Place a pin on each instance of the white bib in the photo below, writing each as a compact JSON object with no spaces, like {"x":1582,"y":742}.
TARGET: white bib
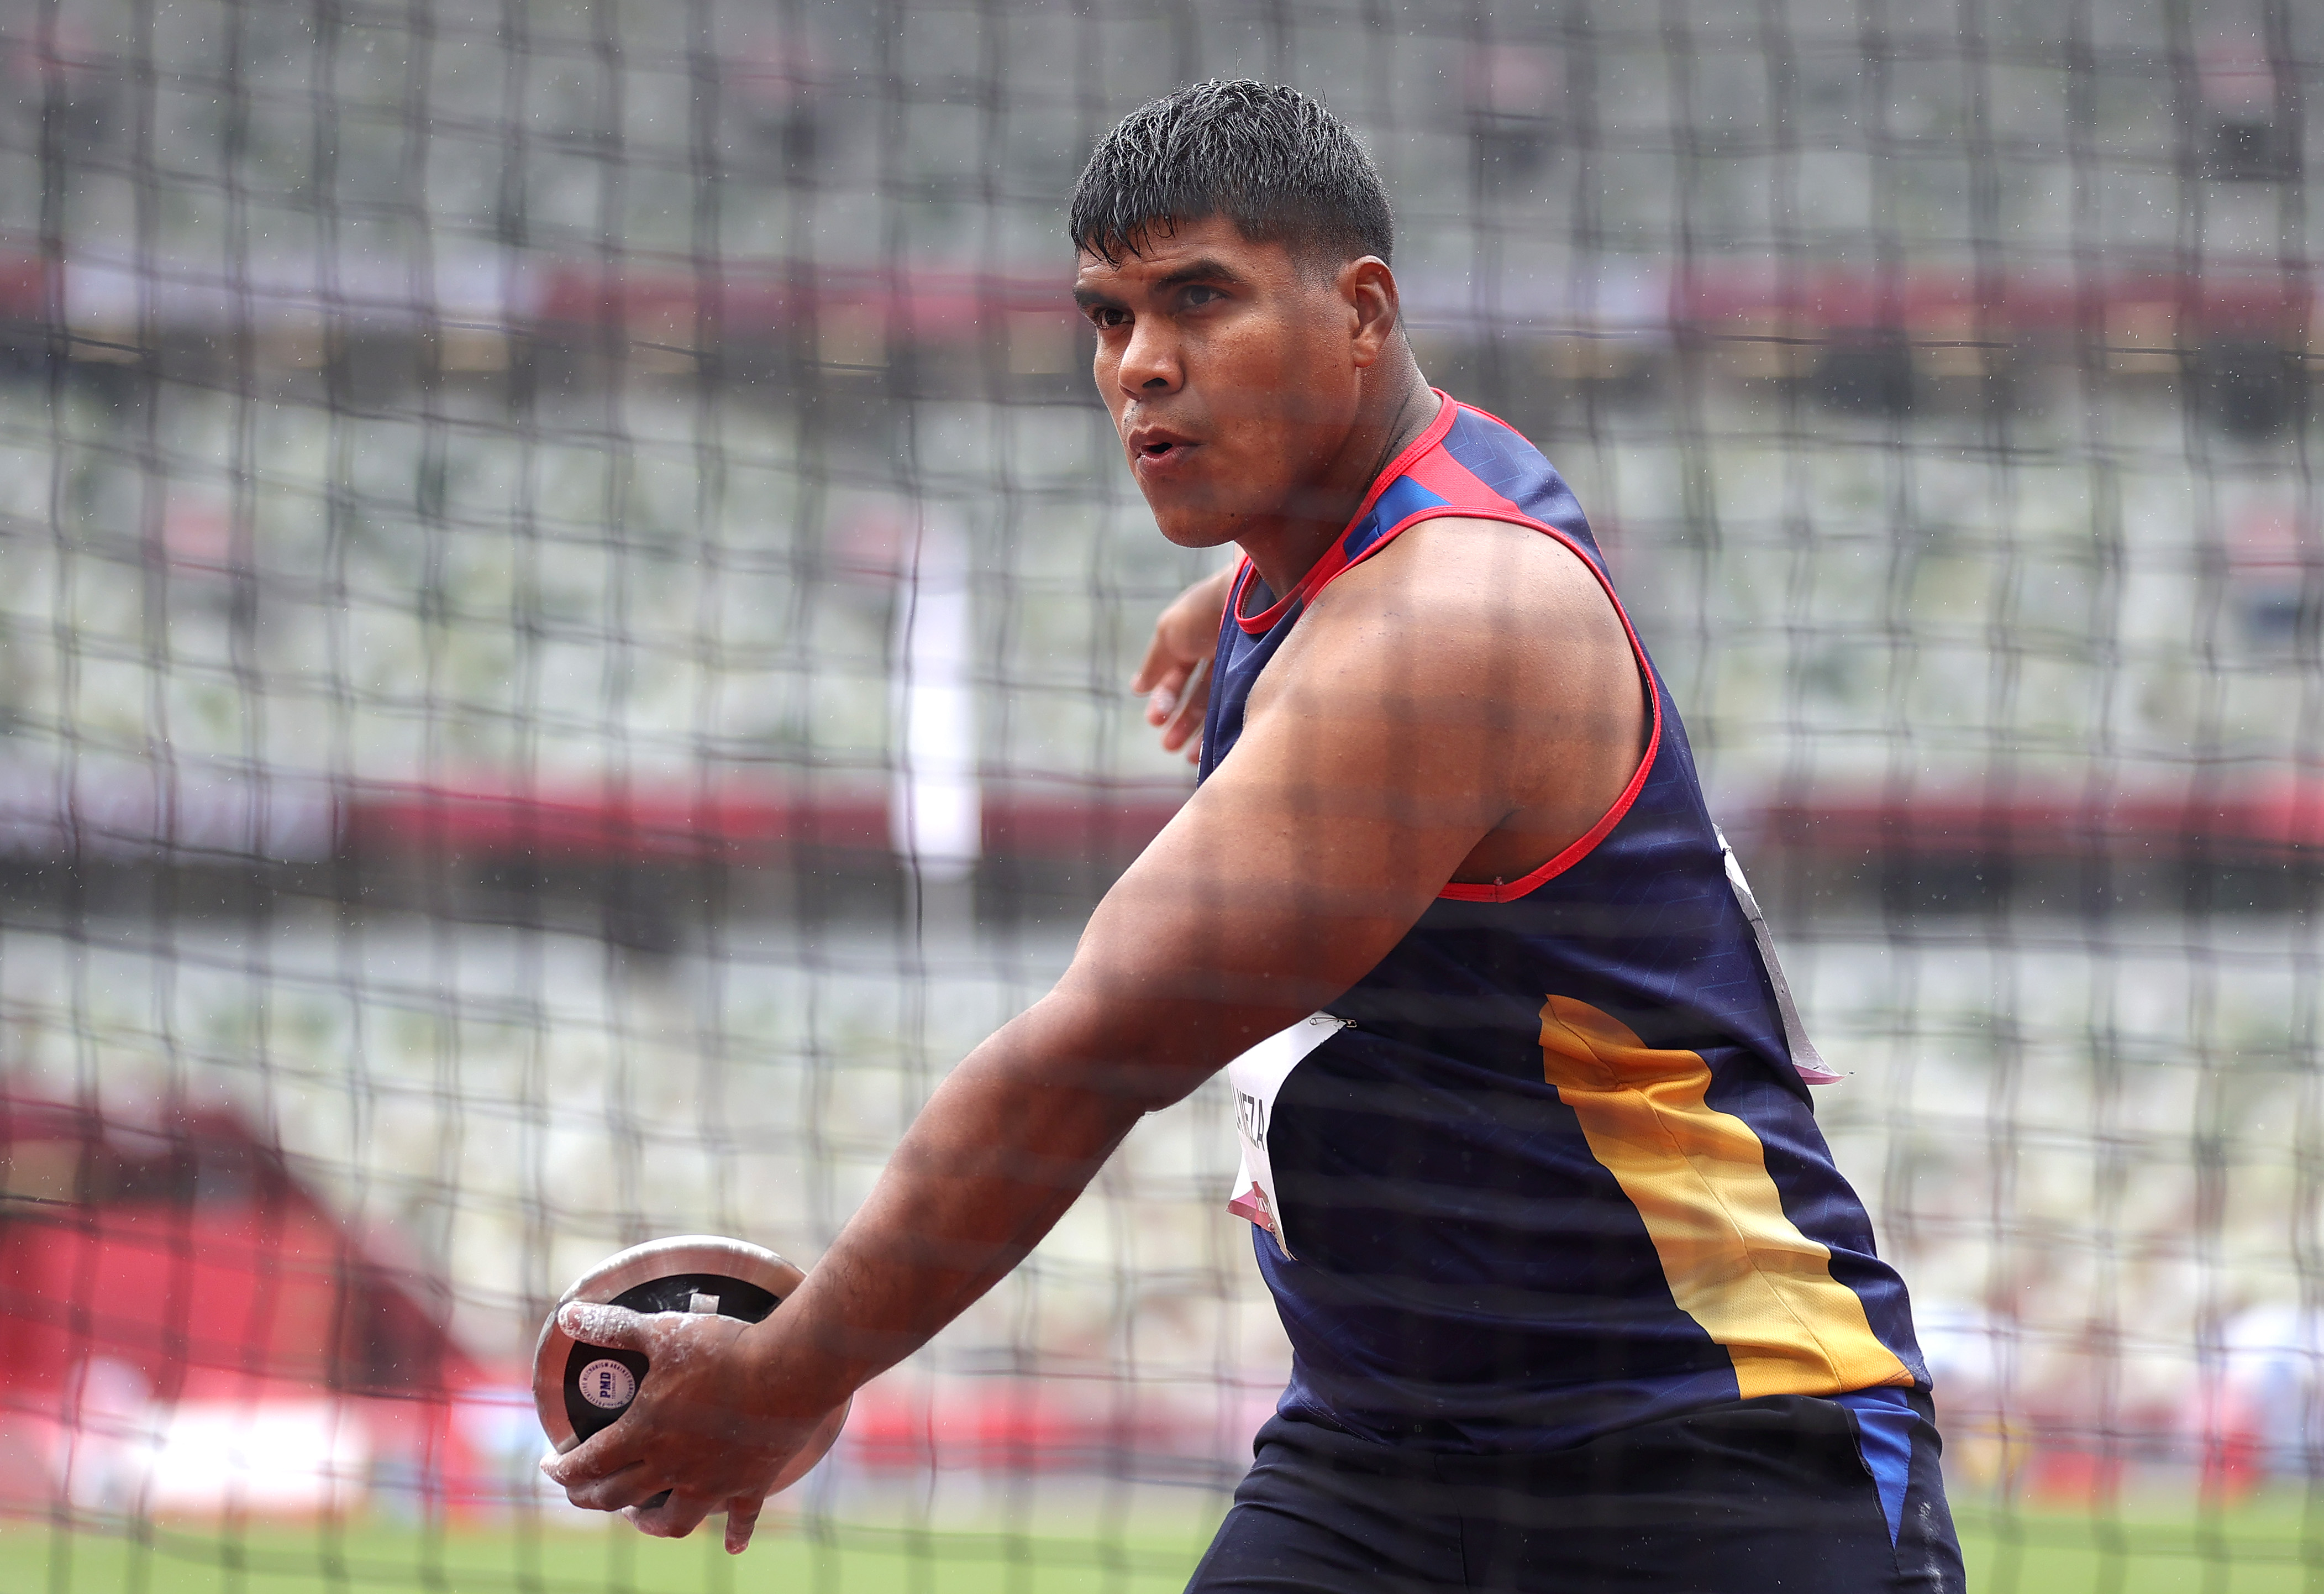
{"x":1257,"y":1077}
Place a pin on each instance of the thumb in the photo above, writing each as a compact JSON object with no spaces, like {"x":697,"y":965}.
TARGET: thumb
{"x":614,"y":1327}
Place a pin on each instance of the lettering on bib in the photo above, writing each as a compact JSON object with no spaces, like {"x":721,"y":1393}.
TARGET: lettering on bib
{"x":1257,"y":1077}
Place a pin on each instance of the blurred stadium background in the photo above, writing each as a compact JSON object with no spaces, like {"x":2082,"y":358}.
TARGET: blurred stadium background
{"x":565,"y":607}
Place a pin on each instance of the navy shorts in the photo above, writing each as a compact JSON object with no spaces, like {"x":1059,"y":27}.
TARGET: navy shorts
{"x":1782,"y":1493}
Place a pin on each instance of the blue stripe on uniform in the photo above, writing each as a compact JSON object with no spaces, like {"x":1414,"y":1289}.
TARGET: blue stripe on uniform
{"x":1402,"y":499}
{"x":1884,"y":1438}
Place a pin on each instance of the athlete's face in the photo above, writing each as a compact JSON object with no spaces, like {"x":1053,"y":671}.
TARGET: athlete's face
{"x":1232,"y":371}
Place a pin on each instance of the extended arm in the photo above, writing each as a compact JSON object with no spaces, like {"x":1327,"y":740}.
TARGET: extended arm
{"x":1369,"y":768}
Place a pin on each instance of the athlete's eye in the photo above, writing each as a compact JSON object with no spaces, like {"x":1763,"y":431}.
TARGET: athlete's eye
{"x":1106,"y":316}
{"x":1198,"y":295}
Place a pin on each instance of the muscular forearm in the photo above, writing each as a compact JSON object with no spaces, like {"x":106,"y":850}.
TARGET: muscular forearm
{"x":1000,"y":1152}
{"x":1248,"y":911}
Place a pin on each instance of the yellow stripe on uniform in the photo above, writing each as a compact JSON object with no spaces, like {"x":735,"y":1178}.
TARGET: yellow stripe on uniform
{"x":1699,"y":1178}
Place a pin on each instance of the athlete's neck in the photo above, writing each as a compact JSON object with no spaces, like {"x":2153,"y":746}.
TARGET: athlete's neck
{"x":1285,"y":547}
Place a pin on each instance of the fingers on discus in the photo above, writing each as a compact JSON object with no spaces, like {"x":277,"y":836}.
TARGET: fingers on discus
{"x":615,"y":1326}
{"x":603,"y":1458}
{"x":741,"y":1518}
{"x":584,"y":1464}
{"x":615,"y":1491}
{"x":673,"y":1518}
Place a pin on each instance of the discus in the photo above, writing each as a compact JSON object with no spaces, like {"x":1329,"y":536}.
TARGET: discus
{"x":580,"y":1390}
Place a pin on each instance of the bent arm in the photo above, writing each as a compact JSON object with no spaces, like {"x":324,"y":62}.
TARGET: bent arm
{"x":1367,"y":771}
{"x":1267,"y":896}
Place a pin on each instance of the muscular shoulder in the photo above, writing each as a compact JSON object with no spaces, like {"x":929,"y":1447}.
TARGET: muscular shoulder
{"x":1454,"y":597}
{"x":1490,"y":644}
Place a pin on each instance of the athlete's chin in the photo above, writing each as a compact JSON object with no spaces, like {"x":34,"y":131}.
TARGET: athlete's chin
{"x":1201,"y":528}
{"x":1190,"y":517}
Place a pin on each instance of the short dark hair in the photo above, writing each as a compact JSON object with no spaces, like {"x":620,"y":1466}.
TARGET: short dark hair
{"x":1271,"y":160}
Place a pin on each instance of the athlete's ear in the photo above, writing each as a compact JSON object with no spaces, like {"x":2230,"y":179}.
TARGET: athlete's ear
{"x":1369,"y":288}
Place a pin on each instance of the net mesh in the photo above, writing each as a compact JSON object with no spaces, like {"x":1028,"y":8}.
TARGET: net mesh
{"x":565,"y":606}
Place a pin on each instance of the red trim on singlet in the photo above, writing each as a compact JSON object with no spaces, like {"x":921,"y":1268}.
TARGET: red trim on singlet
{"x":1335,"y":561}
{"x":1445,"y":476}
{"x":1505,"y":891}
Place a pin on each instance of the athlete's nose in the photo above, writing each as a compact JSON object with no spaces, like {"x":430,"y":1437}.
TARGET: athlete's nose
{"x":1149,"y":364}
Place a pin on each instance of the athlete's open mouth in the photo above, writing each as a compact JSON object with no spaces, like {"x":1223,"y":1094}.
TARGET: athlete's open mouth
{"x":1157,"y":446}
{"x":1156,"y":442}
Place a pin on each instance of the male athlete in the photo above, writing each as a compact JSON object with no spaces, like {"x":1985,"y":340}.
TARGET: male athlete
{"x":1576,"y":1297}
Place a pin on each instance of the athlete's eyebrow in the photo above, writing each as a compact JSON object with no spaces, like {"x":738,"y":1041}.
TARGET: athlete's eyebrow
{"x":1206,"y":270}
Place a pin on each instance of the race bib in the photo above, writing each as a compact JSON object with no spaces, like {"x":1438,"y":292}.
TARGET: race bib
{"x":1257,"y":1077}
{"x":1804,"y":1055}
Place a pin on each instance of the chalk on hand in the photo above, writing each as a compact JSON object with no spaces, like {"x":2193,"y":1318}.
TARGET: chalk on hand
{"x":581,"y":1389}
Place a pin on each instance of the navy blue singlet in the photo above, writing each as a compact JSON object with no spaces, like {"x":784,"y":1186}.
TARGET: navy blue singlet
{"x":1559,"y":1174}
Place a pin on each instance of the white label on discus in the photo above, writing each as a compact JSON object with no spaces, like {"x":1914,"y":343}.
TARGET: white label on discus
{"x":1257,"y":1077}
{"x":607,"y":1385}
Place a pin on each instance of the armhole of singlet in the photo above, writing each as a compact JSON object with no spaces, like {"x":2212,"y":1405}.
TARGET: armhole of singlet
{"x":1504,"y":891}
